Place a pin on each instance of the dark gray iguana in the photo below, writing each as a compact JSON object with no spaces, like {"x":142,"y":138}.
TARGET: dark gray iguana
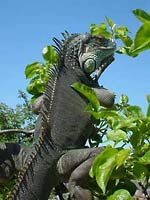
{"x":63,"y":127}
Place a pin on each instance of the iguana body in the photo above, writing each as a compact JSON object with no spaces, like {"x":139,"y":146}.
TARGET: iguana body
{"x":62,"y":125}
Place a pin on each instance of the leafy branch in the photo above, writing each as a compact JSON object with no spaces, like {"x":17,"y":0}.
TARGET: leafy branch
{"x":131,"y":47}
{"x":127,"y":139}
{"x":37,"y":72}
{"x":27,"y":132}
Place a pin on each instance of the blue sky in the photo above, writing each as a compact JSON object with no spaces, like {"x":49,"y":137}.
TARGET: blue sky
{"x":27,"y":26}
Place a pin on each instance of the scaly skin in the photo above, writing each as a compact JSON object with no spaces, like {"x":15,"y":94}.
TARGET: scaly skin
{"x":12,"y":159}
{"x":40,"y":171}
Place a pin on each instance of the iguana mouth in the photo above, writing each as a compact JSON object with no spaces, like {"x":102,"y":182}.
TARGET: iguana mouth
{"x":104,"y":64}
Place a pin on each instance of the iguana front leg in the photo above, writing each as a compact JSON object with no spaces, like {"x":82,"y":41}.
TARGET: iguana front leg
{"x":73,"y":168}
{"x":77,"y":184}
{"x":12,"y":159}
{"x":105,"y":97}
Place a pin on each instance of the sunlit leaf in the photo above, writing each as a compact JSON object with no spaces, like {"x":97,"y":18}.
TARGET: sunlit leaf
{"x":128,"y":124}
{"x":100,"y":30}
{"x":148,"y":111}
{"x":120,"y":195}
{"x":124,"y":99}
{"x":142,"y":15}
{"x":32,"y":69}
{"x":116,"y":135}
{"x":121,"y":156}
{"x":89,"y":109}
{"x":121,"y":33}
{"x":36,"y":86}
{"x":148,"y":98}
{"x":148,"y":107}
{"x":142,"y":39}
{"x":145,"y":160}
{"x":110,"y":22}
{"x":133,"y":111}
{"x":103,"y":167}
{"x":106,"y":113}
{"x":127,"y":41}
{"x":50,"y":55}
{"x":88,"y":93}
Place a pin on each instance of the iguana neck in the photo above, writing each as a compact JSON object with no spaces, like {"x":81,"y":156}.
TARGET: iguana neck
{"x":63,"y":106}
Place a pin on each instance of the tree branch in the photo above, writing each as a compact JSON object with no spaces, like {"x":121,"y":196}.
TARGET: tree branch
{"x":27,"y":132}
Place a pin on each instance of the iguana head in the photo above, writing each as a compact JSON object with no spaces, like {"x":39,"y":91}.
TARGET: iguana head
{"x":92,"y":54}
{"x":95,"y":54}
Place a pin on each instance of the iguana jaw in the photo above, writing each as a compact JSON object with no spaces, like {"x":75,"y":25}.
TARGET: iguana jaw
{"x":104,"y":64}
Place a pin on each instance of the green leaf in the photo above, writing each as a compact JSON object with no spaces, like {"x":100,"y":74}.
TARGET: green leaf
{"x":107,"y":114}
{"x":148,"y":108}
{"x":114,"y":121}
{"x":124,"y":100}
{"x":127,"y":41}
{"x":102,"y":113}
{"x":121,"y":33}
{"x":121,"y":156}
{"x":110,"y":22}
{"x":36,"y":86}
{"x":50,"y":55}
{"x":103,"y":167}
{"x":126,"y":50}
{"x":135,"y":139}
{"x":133,"y":111}
{"x":111,"y":116}
{"x":100,"y":30}
{"x":120,"y":195}
{"x":88,"y":93}
{"x":145,"y":160}
{"x":32,"y":69}
{"x":128,"y":124}
{"x":140,"y":172}
{"x":142,"y":39}
{"x":116,"y":135}
{"x":89,"y":109}
{"x":142,"y":15}
{"x":148,"y":98}
{"x":148,"y":111}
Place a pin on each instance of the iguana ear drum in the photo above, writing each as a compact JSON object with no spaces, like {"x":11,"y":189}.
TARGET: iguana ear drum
{"x":89,"y":65}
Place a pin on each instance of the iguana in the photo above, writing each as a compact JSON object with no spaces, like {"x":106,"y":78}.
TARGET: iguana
{"x":63,"y":127}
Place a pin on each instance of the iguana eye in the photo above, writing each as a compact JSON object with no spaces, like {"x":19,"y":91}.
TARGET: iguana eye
{"x":89,"y":65}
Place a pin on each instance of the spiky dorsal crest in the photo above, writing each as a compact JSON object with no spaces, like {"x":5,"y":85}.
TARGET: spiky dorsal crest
{"x":54,"y":73}
{"x":59,"y":43}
